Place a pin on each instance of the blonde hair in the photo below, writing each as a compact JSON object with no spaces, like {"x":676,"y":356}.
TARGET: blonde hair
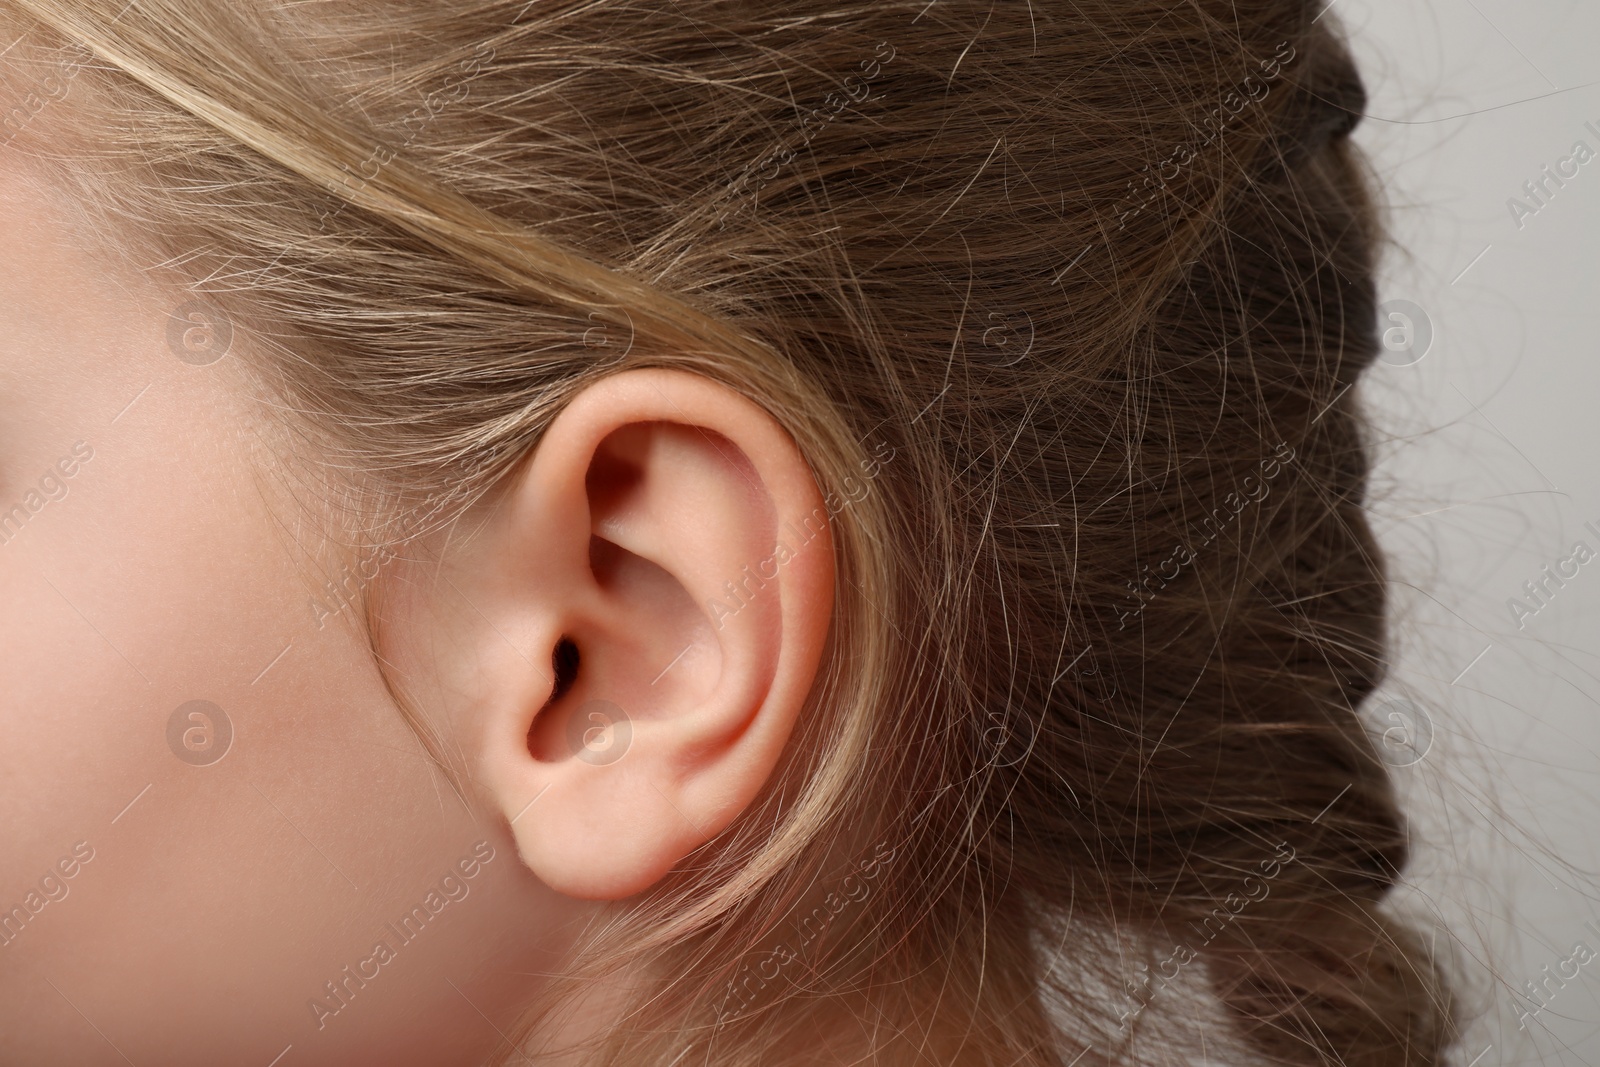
{"x":1059,"y":279}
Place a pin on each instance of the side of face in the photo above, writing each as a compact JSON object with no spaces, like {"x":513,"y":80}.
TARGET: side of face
{"x":214,"y":817}
{"x":223,"y":839}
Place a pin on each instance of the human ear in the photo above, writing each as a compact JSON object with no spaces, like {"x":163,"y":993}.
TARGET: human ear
{"x":650,"y":597}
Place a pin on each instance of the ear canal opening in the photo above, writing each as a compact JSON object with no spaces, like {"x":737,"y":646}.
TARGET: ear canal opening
{"x":564,"y":666}
{"x":564,"y":663}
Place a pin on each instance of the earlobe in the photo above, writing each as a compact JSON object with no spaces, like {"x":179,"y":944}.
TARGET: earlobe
{"x":617,"y":718}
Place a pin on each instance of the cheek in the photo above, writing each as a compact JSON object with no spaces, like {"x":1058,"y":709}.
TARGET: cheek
{"x":174,"y":578}
{"x":163,"y":579}
{"x":241,"y":837}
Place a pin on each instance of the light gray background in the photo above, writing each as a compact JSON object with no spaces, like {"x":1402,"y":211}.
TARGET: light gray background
{"x":1488,"y":467}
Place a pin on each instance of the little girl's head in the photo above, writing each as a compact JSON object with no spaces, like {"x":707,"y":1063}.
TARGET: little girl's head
{"x":695,"y":533}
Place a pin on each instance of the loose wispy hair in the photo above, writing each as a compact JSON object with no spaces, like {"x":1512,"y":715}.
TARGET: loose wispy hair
{"x":1082,"y":267}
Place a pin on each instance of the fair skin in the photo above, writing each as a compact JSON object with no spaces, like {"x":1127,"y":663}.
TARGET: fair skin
{"x":180,"y":566}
